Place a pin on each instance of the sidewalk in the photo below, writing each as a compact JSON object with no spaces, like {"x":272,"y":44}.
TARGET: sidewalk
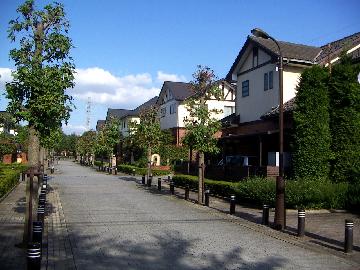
{"x":12,"y":218}
{"x":324,"y":229}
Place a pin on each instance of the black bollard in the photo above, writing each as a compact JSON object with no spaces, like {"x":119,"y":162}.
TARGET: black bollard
{"x":187,"y":190}
{"x":42,"y":199}
{"x":115,"y":170}
{"x":33,"y":256}
{"x":207,"y":197}
{"x":169,"y":178}
{"x":41,"y":213}
{"x":232,"y":205}
{"x":265,"y":215}
{"x":23,"y":177}
{"x":172,"y":188}
{"x":52,"y":170}
{"x":301,"y":223}
{"x":37,"y":232}
{"x":159,"y":184}
{"x":143,"y":179}
{"x":149,"y":181}
{"x":349,"y":225}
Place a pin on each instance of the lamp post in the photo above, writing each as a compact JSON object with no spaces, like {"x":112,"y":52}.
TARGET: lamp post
{"x":280,"y":216}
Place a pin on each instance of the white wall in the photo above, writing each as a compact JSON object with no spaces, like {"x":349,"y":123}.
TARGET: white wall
{"x":127,"y":120}
{"x":169,"y":120}
{"x":258,"y":102}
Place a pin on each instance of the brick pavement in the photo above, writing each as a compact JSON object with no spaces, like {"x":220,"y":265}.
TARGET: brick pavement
{"x":71,"y":236}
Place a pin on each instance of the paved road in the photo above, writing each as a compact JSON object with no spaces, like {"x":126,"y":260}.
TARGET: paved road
{"x":113,"y":223}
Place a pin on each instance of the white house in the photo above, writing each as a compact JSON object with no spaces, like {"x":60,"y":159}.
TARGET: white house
{"x":253,"y":129}
{"x":173,"y":111}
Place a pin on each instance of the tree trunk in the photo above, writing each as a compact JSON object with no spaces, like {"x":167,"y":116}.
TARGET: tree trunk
{"x":149,"y":161}
{"x":201,"y":178}
{"x":34,"y":147}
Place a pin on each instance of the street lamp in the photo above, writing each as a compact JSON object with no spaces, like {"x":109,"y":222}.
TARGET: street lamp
{"x":280,"y":216}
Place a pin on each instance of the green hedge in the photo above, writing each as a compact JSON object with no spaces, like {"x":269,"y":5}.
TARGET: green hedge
{"x":299,"y":194}
{"x":140,"y":171}
{"x":9,"y":176}
{"x":98,"y":163}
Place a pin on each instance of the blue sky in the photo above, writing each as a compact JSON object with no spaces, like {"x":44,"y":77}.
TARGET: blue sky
{"x":125,"y":49}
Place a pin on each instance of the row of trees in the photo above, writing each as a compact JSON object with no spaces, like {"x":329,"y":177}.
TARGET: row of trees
{"x":327,"y":123}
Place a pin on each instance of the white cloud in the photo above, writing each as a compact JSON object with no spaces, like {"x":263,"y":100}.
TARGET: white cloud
{"x":162,"y":76}
{"x":77,"y":129}
{"x":5,"y":76}
{"x":105,"y":88}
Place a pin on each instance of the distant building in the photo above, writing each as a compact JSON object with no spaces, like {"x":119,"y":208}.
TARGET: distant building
{"x":99,"y":125}
{"x":172,"y":109}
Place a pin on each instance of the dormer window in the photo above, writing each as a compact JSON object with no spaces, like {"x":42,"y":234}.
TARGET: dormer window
{"x":255,"y":57}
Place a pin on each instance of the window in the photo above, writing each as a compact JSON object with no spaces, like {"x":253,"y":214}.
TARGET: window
{"x":255,"y":57}
{"x":268,"y":80}
{"x":228,"y":110}
{"x":271,"y":76}
{"x":172,"y":108}
{"x":163,"y":112}
{"x":245,"y":88}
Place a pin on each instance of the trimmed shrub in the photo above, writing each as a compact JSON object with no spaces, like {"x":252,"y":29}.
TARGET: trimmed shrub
{"x":140,"y":171}
{"x":299,"y":194}
{"x":9,"y":176}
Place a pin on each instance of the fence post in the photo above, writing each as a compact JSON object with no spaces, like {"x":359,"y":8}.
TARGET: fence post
{"x":143,"y":179}
{"x":33,"y":256}
{"x":159,"y":183}
{"x":172,"y":188}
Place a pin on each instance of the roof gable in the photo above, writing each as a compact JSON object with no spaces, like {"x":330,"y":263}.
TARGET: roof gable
{"x":179,"y":91}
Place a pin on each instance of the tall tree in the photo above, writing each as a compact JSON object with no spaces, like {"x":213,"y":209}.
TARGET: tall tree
{"x":311,"y":123}
{"x":44,"y":70}
{"x":85,"y":144}
{"x":148,"y":133}
{"x":107,"y":138}
{"x":201,"y":126}
{"x":344,"y":91}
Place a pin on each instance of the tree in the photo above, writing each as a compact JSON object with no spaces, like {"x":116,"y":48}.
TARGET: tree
{"x":201,"y":126}
{"x":311,"y":126}
{"x":44,"y":70}
{"x":85,"y":143}
{"x":344,"y":92}
{"x":148,"y":133}
{"x":107,"y":138}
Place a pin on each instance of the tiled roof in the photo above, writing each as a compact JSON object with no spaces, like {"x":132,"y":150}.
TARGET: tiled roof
{"x":289,"y":106}
{"x":229,"y":120}
{"x":180,"y":90}
{"x":117,"y":113}
{"x":288,"y":50}
{"x":334,"y":49}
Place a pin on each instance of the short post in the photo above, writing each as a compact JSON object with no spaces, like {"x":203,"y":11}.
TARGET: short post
{"x":301,"y":223}
{"x":349,"y":225}
{"x":133,"y":171}
{"x":143,"y":179}
{"x":187,"y":190}
{"x":232,"y":205}
{"x":52,"y":169}
{"x":169,"y":178}
{"x":23,"y":177}
{"x":172,"y":188}
{"x":115,"y":170}
{"x":37,"y":232}
{"x":34,"y":256}
{"x":265,"y":215}
{"x":41,"y":213}
{"x":149,"y":180}
{"x":159,"y":184}
{"x":207,"y":197}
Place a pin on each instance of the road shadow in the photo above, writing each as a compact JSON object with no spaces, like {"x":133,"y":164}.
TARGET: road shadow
{"x":166,"y":250}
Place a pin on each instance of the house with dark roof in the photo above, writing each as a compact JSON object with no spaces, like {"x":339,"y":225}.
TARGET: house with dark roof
{"x":173,"y":111}
{"x":253,"y":129}
{"x":126,"y":116}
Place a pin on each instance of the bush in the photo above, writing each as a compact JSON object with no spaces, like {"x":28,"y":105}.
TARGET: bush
{"x":353,"y":196}
{"x":9,"y":176}
{"x":140,"y":171}
{"x":299,"y":194}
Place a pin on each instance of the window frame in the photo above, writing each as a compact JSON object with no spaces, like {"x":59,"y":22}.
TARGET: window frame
{"x":245,"y":84}
{"x":266,"y":81}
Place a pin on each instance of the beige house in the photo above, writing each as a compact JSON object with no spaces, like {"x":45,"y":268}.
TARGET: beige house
{"x":253,"y":129}
{"x":172,"y":110}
